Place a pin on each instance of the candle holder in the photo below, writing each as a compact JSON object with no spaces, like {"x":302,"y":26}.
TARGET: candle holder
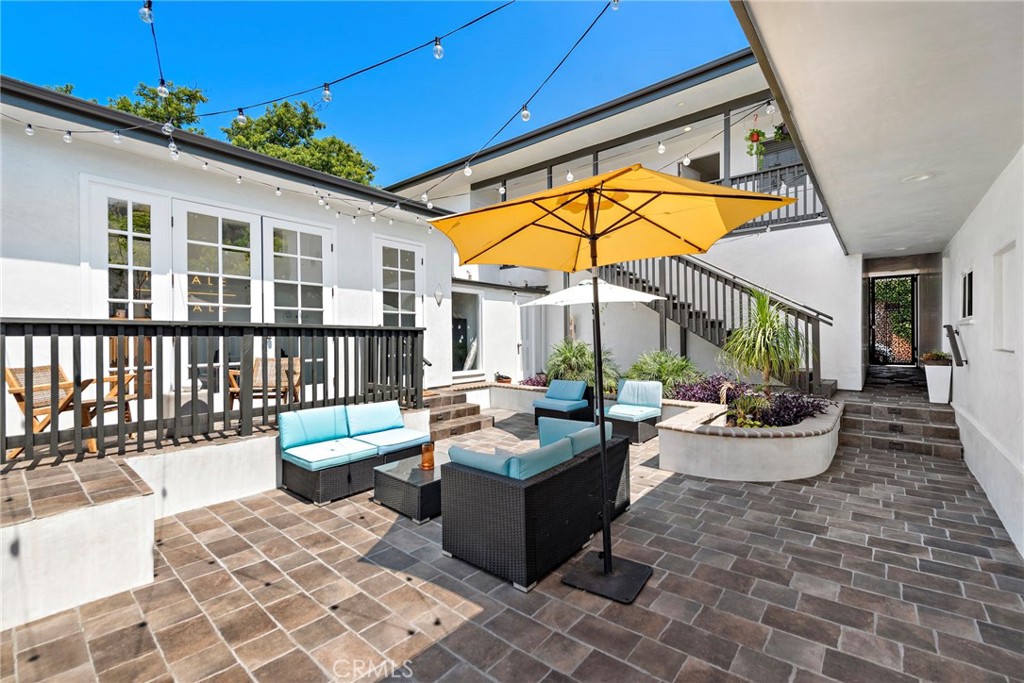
{"x":427,"y":456}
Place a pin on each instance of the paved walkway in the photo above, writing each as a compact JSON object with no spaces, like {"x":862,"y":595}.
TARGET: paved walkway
{"x":884,"y":568}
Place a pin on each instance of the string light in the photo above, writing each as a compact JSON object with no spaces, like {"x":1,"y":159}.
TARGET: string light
{"x":277,"y":191}
{"x":770,"y":109}
{"x":238,"y":180}
{"x":162,"y":90}
{"x":167,"y":128}
{"x":569,"y":176}
{"x":467,"y":171}
{"x":430,"y":205}
{"x":67,"y":137}
{"x":205,"y":165}
{"x":438,"y":49}
{"x":373,"y":218}
{"x":424,"y":198}
{"x":320,"y":201}
{"x":661,"y":147}
{"x":29,"y":130}
{"x":174,"y":155}
{"x":430,"y":229}
{"x":327,"y":96}
{"x":146,"y":12}
{"x":391,"y":221}
{"x":241,"y":116}
{"x":501,"y":190}
{"x":338,"y":215}
{"x":327,"y":205}
{"x":117,"y":137}
{"x":615,"y":5}
{"x":686,"y":160}
{"x":525,"y":113}
{"x":172,"y":147}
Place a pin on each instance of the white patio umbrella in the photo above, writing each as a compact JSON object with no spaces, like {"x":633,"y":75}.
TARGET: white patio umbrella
{"x":583,"y":293}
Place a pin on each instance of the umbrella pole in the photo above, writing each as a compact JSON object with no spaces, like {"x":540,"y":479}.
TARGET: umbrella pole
{"x":606,"y":508}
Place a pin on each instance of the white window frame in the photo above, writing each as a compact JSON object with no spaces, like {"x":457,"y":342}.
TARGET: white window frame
{"x":329,"y":283}
{"x":378,"y":242}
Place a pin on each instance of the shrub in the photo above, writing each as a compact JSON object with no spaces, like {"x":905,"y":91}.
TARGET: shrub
{"x":666,"y":367}
{"x":777,"y":410}
{"x":538,"y":380}
{"x":574,"y":360}
{"x":766,"y":344}
{"x":789,"y":409}
{"x":709,"y":390}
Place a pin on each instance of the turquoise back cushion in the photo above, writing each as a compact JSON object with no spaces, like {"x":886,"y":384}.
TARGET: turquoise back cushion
{"x":480,"y":461}
{"x":552,"y":429}
{"x":566,"y":390}
{"x":374,"y":417}
{"x":527,"y":465}
{"x":634,"y":392}
{"x":588,"y":438}
{"x":301,"y":427}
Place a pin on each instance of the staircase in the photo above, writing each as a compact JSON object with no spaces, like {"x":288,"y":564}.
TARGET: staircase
{"x":451,"y":415}
{"x":710,"y":302}
{"x":893,"y":414}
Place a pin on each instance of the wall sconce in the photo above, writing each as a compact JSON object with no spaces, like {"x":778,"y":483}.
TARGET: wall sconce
{"x":438,"y":294}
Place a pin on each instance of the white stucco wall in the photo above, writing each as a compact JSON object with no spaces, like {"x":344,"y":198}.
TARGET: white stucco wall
{"x":987,"y":391}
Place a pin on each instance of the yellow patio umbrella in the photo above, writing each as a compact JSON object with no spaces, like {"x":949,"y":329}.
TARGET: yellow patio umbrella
{"x":629,"y":214}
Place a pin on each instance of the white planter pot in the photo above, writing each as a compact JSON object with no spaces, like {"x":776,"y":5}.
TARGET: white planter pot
{"x":938,"y":377}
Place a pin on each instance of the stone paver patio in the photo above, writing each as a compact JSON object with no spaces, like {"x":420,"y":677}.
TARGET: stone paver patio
{"x":885,"y":568}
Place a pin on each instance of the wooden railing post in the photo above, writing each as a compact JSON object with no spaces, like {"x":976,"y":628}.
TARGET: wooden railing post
{"x":245,"y":385}
{"x":662,"y":306}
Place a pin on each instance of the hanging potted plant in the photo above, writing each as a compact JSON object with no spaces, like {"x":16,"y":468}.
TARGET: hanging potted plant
{"x":781,"y":133}
{"x":938,"y":372}
{"x":755,"y":143}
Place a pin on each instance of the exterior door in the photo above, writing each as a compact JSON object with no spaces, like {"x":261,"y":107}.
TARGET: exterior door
{"x":531,"y":347}
{"x":397,"y":282}
{"x":893,"y":316}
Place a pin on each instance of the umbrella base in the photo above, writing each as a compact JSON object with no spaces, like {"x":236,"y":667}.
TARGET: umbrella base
{"x":622,"y":585}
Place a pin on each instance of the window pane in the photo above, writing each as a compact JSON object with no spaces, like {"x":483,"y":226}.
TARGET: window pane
{"x":202,"y":228}
{"x":286,"y":295}
{"x":408,"y":260}
{"x":236,"y":262}
{"x":117,"y":250}
{"x":312,"y":245}
{"x":202,"y":314}
{"x":236,"y":233}
{"x":286,"y":268}
{"x":237,"y":291}
{"x":236,"y":315}
{"x":390,"y":257}
{"x":142,"y":311}
{"x":203,"y":288}
{"x":118,"y":310}
{"x":312,"y":296}
{"x":312,"y":318}
{"x":141,"y":215}
{"x":390,"y":302}
{"x":408,"y":303}
{"x":408,"y":320}
{"x":286,"y":316}
{"x":141,"y":257}
{"x":408,"y":281}
{"x":312,"y":270}
{"x":390,"y":279}
{"x":141,"y":288}
{"x":285,"y":241}
{"x":202,"y":258}
{"x":117,"y":215}
{"x":117,"y":283}
{"x":391,"y":320}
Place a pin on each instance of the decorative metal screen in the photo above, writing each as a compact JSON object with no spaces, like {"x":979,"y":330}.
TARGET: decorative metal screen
{"x":892,"y":320}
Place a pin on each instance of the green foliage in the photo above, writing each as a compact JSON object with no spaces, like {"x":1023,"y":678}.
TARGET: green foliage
{"x":755,"y":148}
{"x":288,"y":132}
{"x":66,"y":89}
{"x":746,"y":410}
{"x":766,"y":345}
{"x":896,"y":293}
{"x":179,"y":107}
{"x":666,"y":367}
{"x":574,"y":360}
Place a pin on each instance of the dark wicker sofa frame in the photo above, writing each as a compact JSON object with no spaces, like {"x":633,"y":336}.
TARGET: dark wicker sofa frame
{"x":521,"y":530}
{"x":340,"y":481}
{"x":586,"y":413}
{"x":637,"y":432}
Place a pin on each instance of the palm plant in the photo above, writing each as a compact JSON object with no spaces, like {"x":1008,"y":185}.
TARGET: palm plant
{"x":766,"y":345}
{"x":666,"y":367}
{"x":574,"y":360}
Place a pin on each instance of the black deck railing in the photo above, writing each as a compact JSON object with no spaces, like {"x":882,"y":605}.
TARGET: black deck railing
{"x":119,"y":385}
{"x":784,"y":181}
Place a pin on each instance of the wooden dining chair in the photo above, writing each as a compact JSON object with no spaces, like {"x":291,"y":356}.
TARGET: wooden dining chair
{"x":265,"y":384}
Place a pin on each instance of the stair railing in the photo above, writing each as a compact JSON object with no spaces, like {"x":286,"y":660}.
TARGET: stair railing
{"x":710,"y":302}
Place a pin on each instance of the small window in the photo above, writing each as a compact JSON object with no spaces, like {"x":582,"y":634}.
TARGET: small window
{"x":967,"y":295}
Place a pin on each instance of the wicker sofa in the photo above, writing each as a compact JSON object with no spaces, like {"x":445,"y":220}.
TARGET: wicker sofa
{"x":522,"y":529}
{"x":329,"y":453}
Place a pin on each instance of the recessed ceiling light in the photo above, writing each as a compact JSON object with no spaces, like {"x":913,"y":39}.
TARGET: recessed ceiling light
{"x":687,"y":129}
{"x":917,"y":178}
{"x":899,"y":248}
{"x":681,"y":103}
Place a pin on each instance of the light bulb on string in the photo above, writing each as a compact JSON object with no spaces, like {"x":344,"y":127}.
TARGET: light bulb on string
{"x":320,"y":201}
{"x":438,"y":49}
{"x":174,"y":155}
{"x":467,"y":171}
{"x":167,"y":128}
{"x":206,"y":165}
{"x":391,"y":221}
{"x":327,"y":205}
{"x":117,"y":137}
{"x":327,"y":96}
{"x":162,"y":90}
{"x":661,"y":147}
{"x":241,"y":117}
{"x":172,"y":147}
{"x":686,"y":160}
{"x":67,"y":137}
{"x":525,"y":113}
{"x":424,"y":198}
{"x":353,"y":220}
{"x":569,"y":176}
{"x":238,"y":180}
{"x":146,"y":12}
{"x":783,"y":188}
{"x":767,"y":230}
{"x":397,"y":207}
{"x":502,"y":190}
{"x":29,"y":130}
{"x":373,"y":218}
{"x":770,"y":109}
{"x":338,"y":215}
{"x":615,"y":5}
{"x":430,"y":205}
{"x":277,"y":191}
{"x":430,"y":229}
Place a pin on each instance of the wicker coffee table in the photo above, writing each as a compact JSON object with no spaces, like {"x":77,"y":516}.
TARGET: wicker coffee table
{"x":405,"y":487}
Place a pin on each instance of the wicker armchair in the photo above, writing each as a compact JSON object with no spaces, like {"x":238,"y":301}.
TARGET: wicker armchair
{"x":521,"y":530}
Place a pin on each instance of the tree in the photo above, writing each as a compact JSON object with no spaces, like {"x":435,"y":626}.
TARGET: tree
{"x":66,"y":89}
{"x":179,"y":107}
{"x":288,"y":132}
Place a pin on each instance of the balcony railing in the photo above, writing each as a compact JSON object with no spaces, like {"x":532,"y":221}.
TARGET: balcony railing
{"x":117,"y":386}
{"x":784,"y":181}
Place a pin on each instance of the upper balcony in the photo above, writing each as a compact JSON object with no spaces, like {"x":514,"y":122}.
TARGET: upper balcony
{"x":792,"y":181}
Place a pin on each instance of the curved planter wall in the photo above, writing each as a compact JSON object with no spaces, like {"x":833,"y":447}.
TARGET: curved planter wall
{"x":691,"y":446}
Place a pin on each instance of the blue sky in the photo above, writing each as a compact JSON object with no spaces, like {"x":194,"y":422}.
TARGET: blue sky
{"x":406,"y":117}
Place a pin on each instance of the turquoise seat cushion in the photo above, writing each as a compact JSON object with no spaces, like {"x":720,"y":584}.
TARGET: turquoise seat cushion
{"x":374,"y":417}
{"x":480,"y":461}
{"x":319,"y":456}
{"x":640,"y":393}
{"x":562,"y":406}
{"x":588,"y":438}
{"x":631,"y":413}
{"x":391,"y":440}
{"x":566,"y":390}
{"x":301,"y":427}
{"x":526,"y":465}
{"x":551,"y":429}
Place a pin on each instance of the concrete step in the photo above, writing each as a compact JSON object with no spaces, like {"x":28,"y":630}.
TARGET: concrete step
{"x":444,"y":398}
{"x":901,"y":425}
{"x":897,"y":442}
{"x":453,"y":411}
{"x":828,"y":388}
{"x":460,"y":425}
{"x":935,"y":413}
